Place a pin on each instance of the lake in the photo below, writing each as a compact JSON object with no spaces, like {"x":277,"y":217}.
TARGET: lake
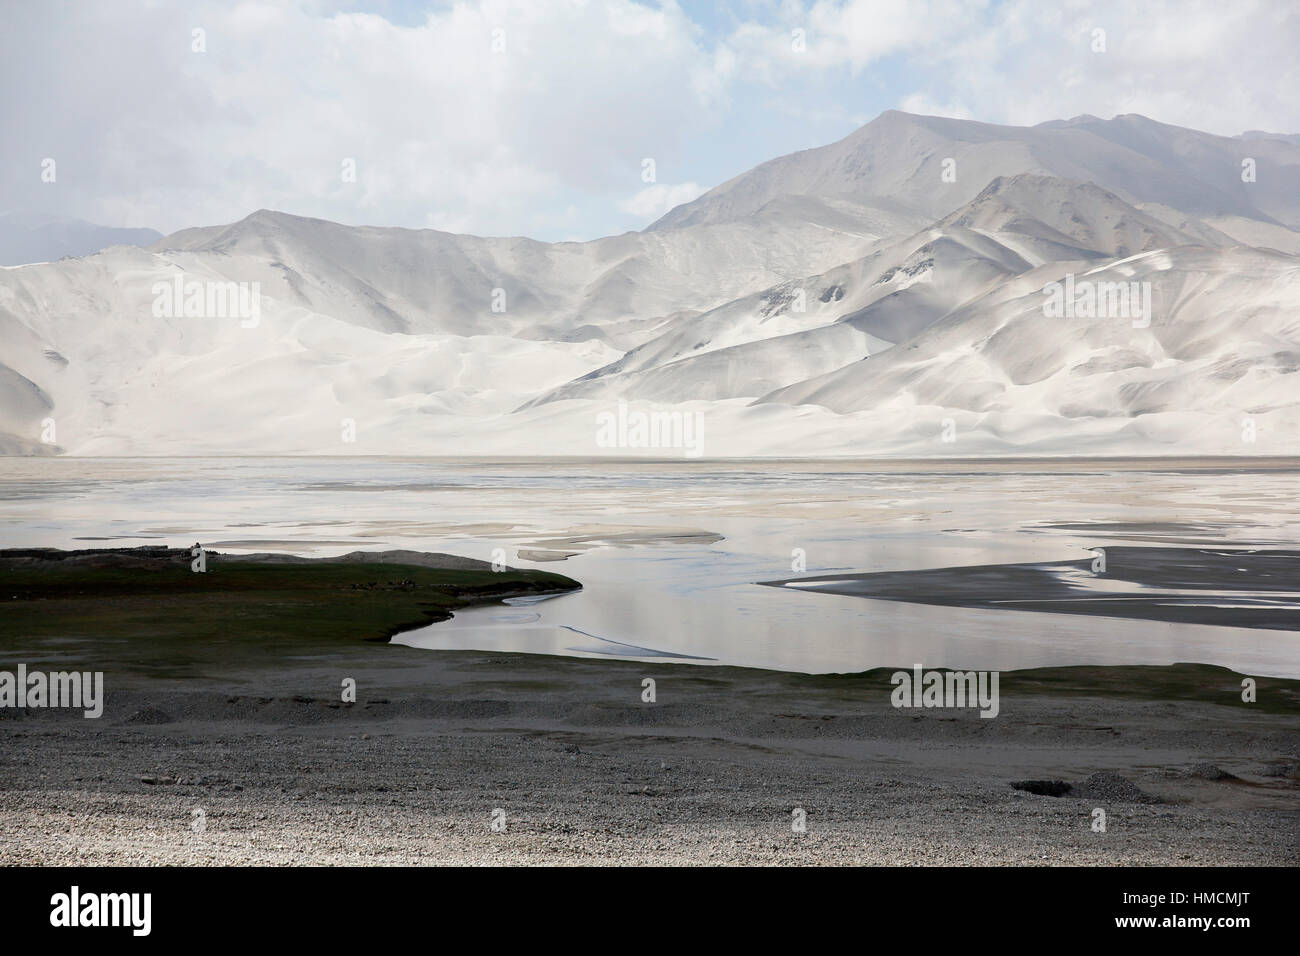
{"x":669,"y":552}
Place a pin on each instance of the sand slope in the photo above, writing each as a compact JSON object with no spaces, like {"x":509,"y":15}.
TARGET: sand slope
{"x":861,"y":299}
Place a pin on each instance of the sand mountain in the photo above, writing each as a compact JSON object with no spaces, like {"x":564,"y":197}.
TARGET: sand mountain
{"x":799,"y":330}
{"x":841,"y":300}
{"x":902,"y":156}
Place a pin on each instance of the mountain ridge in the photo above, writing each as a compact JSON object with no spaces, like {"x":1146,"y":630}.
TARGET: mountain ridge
{"x":839,"y":300}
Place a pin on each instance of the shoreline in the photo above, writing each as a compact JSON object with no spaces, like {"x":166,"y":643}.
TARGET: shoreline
{"x":1229,"y":587}
{"x":259,"y":737}
{"x":83,"y":605}
{"x":1270,"y":462}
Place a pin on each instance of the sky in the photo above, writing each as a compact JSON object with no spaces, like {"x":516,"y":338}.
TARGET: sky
{"x":564,"y":119}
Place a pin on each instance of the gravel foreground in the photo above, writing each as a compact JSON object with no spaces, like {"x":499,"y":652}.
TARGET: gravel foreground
{"x":273,"y":769}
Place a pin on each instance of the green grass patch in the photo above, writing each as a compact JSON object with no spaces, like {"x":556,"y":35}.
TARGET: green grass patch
{"x":173,"y":621}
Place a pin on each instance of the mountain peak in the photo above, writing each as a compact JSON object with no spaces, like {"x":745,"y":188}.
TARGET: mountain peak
{"x":270,"y":216}
{"x":1039,"y":183}
{"x":905,"y":156}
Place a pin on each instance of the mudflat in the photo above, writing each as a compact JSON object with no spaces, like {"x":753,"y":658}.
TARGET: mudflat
{"x":1231,"y":587}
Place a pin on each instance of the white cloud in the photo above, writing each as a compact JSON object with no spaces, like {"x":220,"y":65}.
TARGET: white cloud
{"x":653,"y":201}
{"x":1211,"y":66}
{"x":548,"y":135}
{"x":148,"y":131}
{"x":1197,"y":63}
{"x":921,"y":103}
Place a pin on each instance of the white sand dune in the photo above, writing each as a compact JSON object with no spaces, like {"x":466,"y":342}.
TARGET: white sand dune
{"x":839,"y":301}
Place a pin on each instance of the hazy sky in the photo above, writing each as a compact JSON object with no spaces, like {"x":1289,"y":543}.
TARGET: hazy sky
{"x":542,"y":128}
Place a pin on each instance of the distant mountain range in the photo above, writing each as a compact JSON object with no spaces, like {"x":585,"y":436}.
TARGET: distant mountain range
{"x":899,"y":292}
{"x":27,"y":238}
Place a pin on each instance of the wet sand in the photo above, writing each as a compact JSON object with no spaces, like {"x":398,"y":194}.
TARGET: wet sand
{"x":1229,"y":587}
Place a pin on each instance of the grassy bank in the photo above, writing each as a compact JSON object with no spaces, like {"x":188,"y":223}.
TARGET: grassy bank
{"x":145,"y":610}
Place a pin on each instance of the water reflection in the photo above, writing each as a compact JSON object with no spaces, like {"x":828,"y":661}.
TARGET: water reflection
{"x":654,"y":594}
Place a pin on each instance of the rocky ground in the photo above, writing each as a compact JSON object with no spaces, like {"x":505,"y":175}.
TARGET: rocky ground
{"x":272,"y":767}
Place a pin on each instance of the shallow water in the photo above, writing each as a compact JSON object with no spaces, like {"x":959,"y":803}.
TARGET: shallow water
{"x":656,"y":589}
